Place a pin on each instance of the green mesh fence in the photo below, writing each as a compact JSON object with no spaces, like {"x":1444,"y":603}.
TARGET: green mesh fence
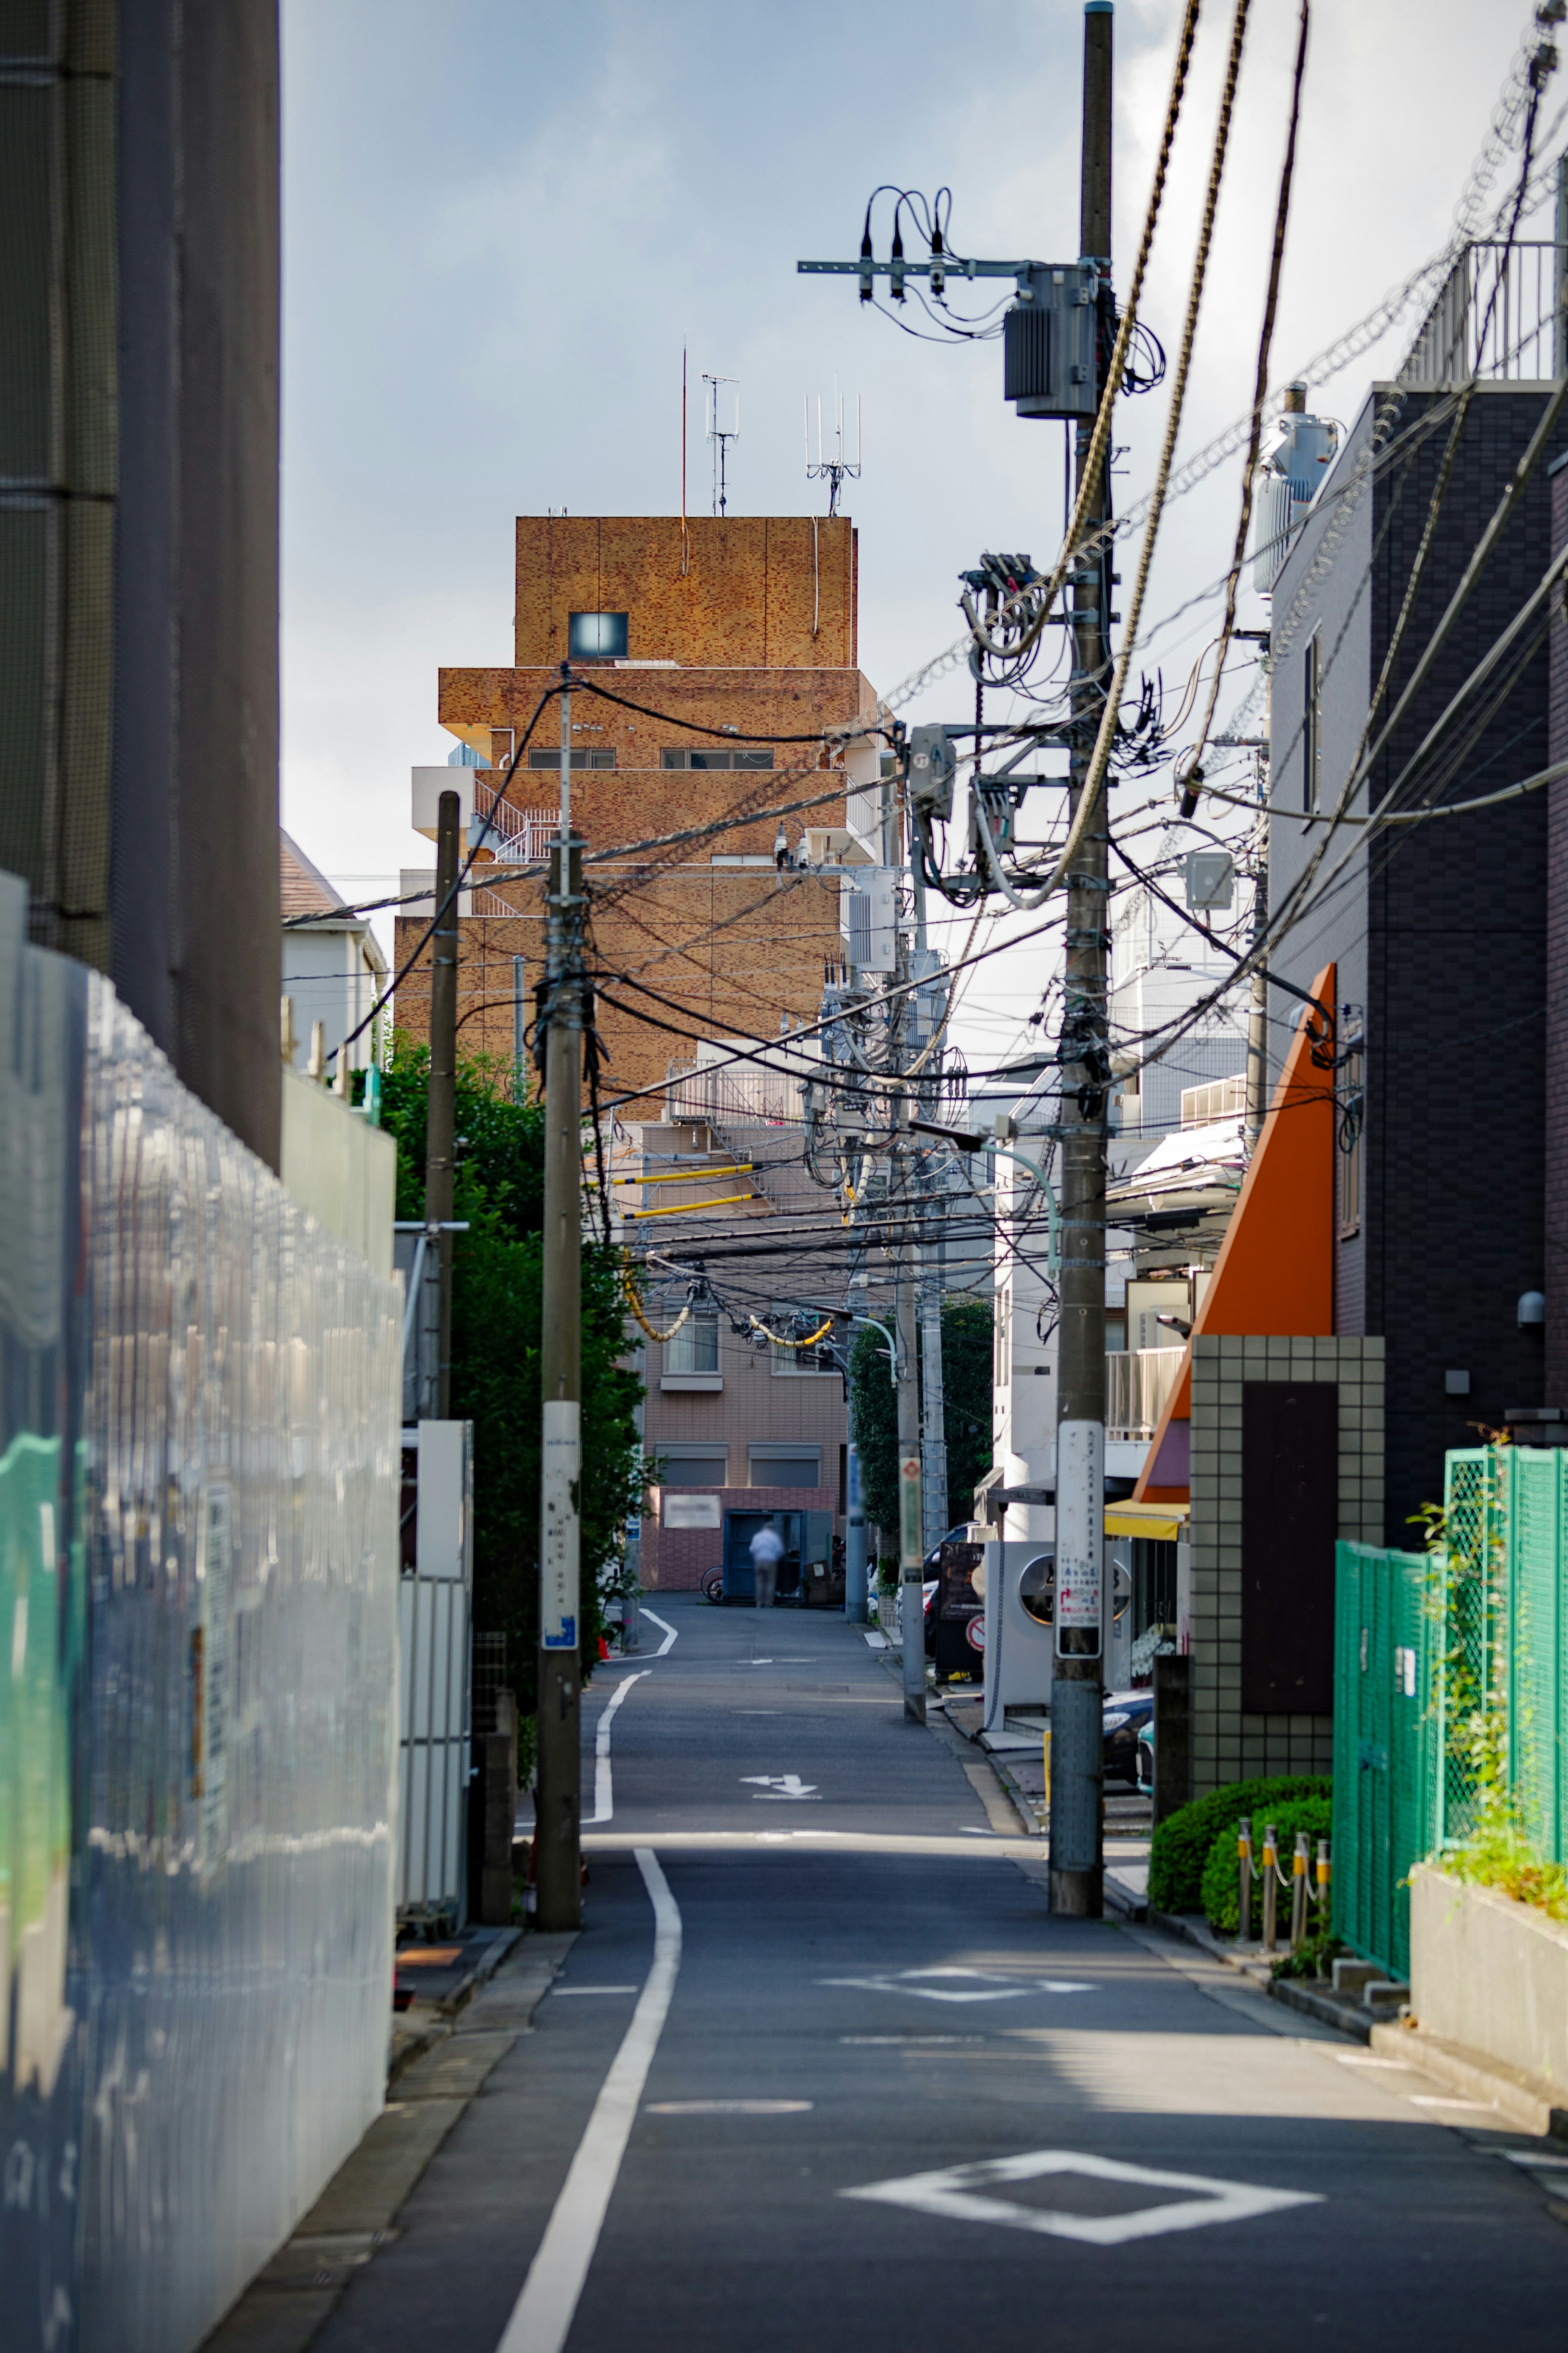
{"x":1450,"y":1673}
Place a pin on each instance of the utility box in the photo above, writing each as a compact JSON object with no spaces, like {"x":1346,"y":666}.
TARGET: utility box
{"x":1048,"y":342}
{"x":867,"y":920}
{"x":1020,"y":1580}
{"x":434,"y":1739}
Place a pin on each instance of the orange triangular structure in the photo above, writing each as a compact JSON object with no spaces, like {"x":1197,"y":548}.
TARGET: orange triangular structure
{"x":1274,"y":1272}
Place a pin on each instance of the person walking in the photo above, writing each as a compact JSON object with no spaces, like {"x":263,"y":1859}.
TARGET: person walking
{"x":767,"y":1551}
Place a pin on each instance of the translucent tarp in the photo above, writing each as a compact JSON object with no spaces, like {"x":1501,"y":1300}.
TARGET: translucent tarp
{"x":199,"y":1464}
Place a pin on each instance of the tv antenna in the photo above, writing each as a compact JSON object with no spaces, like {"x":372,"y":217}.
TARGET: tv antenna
{"x":720,"y":433}
{"x":840,"y":467}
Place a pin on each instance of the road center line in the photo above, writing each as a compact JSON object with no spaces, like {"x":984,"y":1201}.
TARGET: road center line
{"x":666,"y":1628}
{"x":604,"y":1787}
{"x":542,"y":2315}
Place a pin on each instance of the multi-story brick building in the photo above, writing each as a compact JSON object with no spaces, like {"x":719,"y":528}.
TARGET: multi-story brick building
{"x":730,"y":645}
{"x":722,"y":633}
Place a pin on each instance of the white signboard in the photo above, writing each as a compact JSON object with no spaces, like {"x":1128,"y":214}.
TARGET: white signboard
{"x":690,"y":1511}
{"x":1080,"y":1519}
{"x":558,"y":1546}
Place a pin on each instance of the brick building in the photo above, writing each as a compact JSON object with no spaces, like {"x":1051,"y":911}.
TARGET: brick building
{"x":722,"y":631}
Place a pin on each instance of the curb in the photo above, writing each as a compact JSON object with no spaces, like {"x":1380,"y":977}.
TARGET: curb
{"x":1524,"y":2099}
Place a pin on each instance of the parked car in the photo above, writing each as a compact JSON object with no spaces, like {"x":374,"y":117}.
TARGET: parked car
{"x":1125,"y":1716}
{"x":1146,"y":1756}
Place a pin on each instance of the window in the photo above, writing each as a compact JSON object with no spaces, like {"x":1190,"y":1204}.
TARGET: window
{"x":695,"y":1347}
{"x":605,"y":758}
{"x":1311,"y":728}
{"x":799,"y":1466}
{"x":694,"y":1469}
{"x":699,"y":756}
{"x":597,"y":637}
{"x":795,"y":1323}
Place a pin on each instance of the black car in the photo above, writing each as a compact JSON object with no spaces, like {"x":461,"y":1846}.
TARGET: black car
{"x":1125,"y":1716}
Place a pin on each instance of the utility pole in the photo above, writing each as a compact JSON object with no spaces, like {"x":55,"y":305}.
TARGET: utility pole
{"x":1076,"y":1855}
{"x":912,"y":1553}
{"x":441,"y":1104}
{"x":933,"y":1437}
{"x":558,"y":1871}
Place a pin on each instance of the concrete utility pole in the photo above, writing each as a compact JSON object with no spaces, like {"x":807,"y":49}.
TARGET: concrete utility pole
{"x":912,"y":1555}
{"x":441,"y":1103}
{"x":1077,"y":1861}
{"x":558,"y":1870}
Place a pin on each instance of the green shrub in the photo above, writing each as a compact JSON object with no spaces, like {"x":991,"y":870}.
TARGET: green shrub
{"x":1181,"y":1842}
{"x":1221,"y":1888}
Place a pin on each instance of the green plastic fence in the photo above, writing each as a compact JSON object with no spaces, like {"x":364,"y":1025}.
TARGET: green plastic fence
{"x":1435,"y":1652}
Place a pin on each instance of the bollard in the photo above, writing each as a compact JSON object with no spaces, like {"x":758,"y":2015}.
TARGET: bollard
{"x":1244,"y":1857}
{"x":1299,"y":1869}
{"x":1325,"y":1878}
{"x":1270,"y":1889}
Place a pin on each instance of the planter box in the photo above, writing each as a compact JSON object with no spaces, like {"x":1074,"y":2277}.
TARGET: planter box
{"x":1490,"y":1974}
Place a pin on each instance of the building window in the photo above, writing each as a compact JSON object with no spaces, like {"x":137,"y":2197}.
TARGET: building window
{"x":699,"y":756}
{"x":682,"y":1469}
{"x":1312,"y":722}
{"x":799,"y":1466}
{"x":597,"y":637}
{"x":1350,"y":1110}
{"x":597,"y":758}
{"x":792,"y":1323}
{"x":695,"y":1347}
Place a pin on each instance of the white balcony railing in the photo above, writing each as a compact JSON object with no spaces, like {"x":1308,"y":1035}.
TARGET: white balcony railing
{"x":739,"y":1093}
{"x":1138,"y":1384}
{"x":1496,"y":318}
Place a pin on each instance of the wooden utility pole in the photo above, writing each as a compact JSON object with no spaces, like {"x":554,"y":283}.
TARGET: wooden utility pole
{"x":1076,"y":1860}
{"x":558,"y":1870}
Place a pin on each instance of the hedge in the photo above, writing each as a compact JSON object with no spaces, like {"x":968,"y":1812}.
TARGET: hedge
{"x":1222,"y":1878}
{"x":1181,"y":1842}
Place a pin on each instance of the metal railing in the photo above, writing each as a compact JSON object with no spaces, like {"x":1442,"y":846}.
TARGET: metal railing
{"x":524,"y":834}
{"x":1522,"y":338}
{"x":744,"y":1092}
{"x":1138,"y":1384}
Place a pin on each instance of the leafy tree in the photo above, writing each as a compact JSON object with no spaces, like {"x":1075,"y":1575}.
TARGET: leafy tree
{"x":497,"y":1289}
{"x":967,"y":1412}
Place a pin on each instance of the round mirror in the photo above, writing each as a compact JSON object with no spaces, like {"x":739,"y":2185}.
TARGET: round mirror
{"x":1120,"y":1590}
{"x":1037,"y":1588}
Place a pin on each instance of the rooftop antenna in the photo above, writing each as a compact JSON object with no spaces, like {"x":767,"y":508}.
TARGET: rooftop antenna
{"x":685,"y":541}
{"x":719,"y":433}
{"x":840,"y":467}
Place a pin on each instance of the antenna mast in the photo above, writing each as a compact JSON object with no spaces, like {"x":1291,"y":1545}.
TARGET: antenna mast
{"x":721,"y":435}
{"x":839,"y":469}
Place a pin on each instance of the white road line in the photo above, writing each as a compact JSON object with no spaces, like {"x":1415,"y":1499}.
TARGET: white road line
{"x":542,"y":2314}
{"x":604,"y":1787}
{"x":665,"y":1627}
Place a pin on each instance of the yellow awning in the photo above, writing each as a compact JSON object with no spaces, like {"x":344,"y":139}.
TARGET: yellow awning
{"x":1166,"y":1523}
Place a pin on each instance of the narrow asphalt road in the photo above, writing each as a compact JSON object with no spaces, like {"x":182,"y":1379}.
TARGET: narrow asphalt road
{"x":863,"y":2093}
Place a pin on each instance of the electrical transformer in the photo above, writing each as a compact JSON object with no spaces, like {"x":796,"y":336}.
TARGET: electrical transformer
{"x":1048,"y":338}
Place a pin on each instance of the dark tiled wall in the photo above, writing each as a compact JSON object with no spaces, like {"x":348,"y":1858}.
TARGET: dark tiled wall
{"x":1440,"y":930}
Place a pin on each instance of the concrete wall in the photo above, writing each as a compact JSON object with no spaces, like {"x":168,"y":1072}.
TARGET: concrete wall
{"x":1490,"y":1975}
{"x":1228,"y":1745}
{"x":343,"y":1171}
{"x":1440,"y":937}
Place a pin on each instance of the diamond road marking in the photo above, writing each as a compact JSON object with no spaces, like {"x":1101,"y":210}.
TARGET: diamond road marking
{"x":957,"y":2194}
{"x":981,"y":1985}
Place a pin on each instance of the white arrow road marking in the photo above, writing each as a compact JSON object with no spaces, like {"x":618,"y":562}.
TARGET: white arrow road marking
{"x":541,"y":2316}
{"x":604,"y":1788}
{"x":665,"y":1628}
{"x":780,"y":1784}
{"x":957,"y":2195}
{"x":977,"y":1985}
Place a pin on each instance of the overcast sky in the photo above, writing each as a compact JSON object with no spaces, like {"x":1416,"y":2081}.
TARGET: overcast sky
{"x":504,"y":221}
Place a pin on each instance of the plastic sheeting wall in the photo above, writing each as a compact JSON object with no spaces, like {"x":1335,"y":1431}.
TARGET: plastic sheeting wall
{"x":198,"y":1637}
